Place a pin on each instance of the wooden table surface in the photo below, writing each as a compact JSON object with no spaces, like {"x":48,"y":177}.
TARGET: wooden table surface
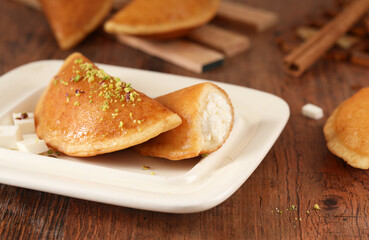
{"x":298,"y":170}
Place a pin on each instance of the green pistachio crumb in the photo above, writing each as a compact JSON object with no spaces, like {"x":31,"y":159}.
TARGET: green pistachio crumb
{"x":50,"y":152}
{"x":64,"y":82}
{"x":76,"y":103}
{"x":316,"y":207}
{"x":77,"y":78}
{"x":78,"y":61}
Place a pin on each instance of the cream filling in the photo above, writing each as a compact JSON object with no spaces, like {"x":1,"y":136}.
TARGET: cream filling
{"x":216,"y":120}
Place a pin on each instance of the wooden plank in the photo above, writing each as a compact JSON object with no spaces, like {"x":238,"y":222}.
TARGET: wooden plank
{"x":360,"y":58}
{"x":230,"y":43}
{"x":186,"y":54}
{"x":255,"y":18}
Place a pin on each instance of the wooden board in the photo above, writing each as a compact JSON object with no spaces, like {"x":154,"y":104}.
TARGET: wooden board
{"x":35,"y":4}
{"x":256,"y":18}
{"x":180,"y":52}
{"x":230,"y":43}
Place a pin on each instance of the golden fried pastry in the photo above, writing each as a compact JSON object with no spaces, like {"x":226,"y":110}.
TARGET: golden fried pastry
{"x":85,"y":112}
{"x":347,"y":130}
{"x":161,"y":18}
{"x":207,"y":120}
{"x":72,"y":20}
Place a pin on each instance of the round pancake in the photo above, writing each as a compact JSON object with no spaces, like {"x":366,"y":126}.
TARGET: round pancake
{"x":161,"y":18}
{"x":347,"y":130}
{"x":71,"y":21}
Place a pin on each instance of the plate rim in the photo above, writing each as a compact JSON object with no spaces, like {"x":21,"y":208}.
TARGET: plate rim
{"x":171,"y":207}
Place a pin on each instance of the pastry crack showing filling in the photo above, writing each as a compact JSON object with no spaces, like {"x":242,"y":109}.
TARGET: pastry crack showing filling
{"x":216,"y":120}
{"x":207,"y":120}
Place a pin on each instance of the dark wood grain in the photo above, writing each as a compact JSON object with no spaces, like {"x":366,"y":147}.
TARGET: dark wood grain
{"x":299,"y":170}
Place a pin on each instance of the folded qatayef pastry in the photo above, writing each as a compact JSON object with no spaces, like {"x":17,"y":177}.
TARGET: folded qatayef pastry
{"x":85,"y":112}
{"x":207,"y":120}
{"x":347,"y":130}
{"x":161,"y":18}
{"x":72,"y":20}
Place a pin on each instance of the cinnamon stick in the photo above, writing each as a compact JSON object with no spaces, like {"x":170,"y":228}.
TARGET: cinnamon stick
{"x":307,"y":53}
{"x":344,"y":42}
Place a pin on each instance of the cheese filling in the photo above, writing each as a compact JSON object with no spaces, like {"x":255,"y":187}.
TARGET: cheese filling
{"x":216,"y":120}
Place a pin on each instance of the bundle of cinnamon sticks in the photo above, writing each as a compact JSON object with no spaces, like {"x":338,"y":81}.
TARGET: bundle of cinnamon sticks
{"x":318,"y":43}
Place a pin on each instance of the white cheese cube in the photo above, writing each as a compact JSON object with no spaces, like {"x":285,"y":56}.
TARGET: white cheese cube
{"x":25,"y":121}
{"x":312,"y":111}
{"x":35,"y":146}
{"x":30,"y":136}
{"x":9,"y":135}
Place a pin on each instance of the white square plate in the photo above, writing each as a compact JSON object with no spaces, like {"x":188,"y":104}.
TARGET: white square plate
{"x":118,"y":178}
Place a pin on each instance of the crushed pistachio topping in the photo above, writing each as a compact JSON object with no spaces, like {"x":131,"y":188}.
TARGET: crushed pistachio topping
{"x":316,"y":207}
{"x":145,"y":167}
{"x":111,"y":89}
{"x":293,"y":207}
{"x":121,"y":124}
